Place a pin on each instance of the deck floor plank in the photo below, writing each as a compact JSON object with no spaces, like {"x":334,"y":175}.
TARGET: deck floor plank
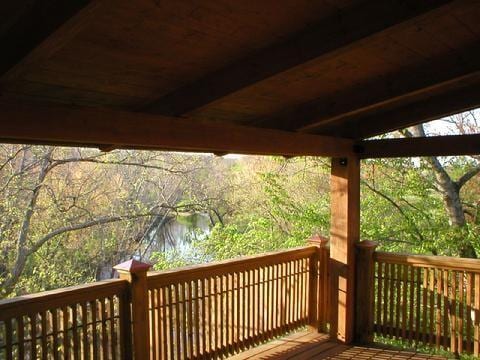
{"x":310,"y":345}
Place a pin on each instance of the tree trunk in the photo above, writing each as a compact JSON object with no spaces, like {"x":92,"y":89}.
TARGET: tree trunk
{"x":450,"y":191}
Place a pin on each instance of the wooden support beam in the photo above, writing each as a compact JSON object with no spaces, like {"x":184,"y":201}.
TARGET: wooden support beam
{"x":38,"y":29}
{"x":326,"y":39}
{"x":450,"y":145}
{"x":94,"y":127}
{"x":406,"y":87}
{"x":344,"y":234}
{"x":429,"y":108}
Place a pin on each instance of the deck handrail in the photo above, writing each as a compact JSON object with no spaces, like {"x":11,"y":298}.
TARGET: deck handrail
{"x":444,"y":262}
{"x":42,"y":301}
{"x":193,"y":272}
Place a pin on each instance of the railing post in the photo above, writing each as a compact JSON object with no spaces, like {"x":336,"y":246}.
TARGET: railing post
{"x":365,"y":291}
{"x":135,"y":273}
{"x":318,"y":300}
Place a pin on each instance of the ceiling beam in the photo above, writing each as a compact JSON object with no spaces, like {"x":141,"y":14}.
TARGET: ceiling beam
{"x":102,"y":128}
{"x":35,"y":31}
{"x":433,"y":107}
{"x":410,"y":85}
{"x":451,"y":145}
{"x":327,"y":39}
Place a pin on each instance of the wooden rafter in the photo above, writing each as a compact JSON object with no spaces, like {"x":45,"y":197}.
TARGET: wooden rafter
{"x":409,"y":86}
{"x":432,"y":107}
{"x":450,"y":145}
{"x":51,"y":124}
{"x":327,"y":39}
{"x":40,"y":28}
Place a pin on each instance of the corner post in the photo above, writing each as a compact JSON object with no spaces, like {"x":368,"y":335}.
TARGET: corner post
{"x":135,"y":273}
{"x":365,"y":291}
{"x":345,"y":232}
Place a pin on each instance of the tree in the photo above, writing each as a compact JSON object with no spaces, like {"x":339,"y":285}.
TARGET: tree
{"x":52,"y":193}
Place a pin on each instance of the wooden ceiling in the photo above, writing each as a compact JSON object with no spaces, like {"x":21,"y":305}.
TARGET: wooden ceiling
{"x":340,"y":68}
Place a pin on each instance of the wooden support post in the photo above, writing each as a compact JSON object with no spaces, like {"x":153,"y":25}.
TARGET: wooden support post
{"x":345,"y":232}
{"x":135,"y":273}
{"x":321,"y":296}
{"x":365,"y":292}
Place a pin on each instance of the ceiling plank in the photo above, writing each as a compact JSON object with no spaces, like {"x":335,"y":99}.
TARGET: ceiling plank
{"x":408,"y":86}
{"x":433,"y":107}
{"x":327,"y":39}
{"x":39,"y":30}
{"x":77,"y":126}
{"x":450,"y":145}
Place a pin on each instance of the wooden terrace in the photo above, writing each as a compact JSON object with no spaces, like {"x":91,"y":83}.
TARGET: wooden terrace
{"x":283,"y":77}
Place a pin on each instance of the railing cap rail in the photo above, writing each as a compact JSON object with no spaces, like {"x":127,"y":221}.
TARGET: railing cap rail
{"x":447,"y":262}
{"x":230,"y":265}
{"x":33,"y":303}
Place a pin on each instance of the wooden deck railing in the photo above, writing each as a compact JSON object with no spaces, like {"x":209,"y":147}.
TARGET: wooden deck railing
{"x":208,"y":311}
{"x":215,"y":310}
{"x":428,"y":300}
{"x":219,"y":309}
{"x":81,"y":322}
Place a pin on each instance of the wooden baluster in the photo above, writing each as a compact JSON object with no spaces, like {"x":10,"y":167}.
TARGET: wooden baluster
{"x":431,"y":319}
{"x":461,"y":314}
{"x":103,"y":310}
{"x":75,"y":350}
{"x":204,"y":318}
{"x":418,"y":287}
{"x":162,"y":309}
{"x":239,"y":311}
{"x":113,"y":337}
{"x":411,"y":310}
{"x":468,"y":313}
{"x":44,"y":335}
{"x":222,"y":323}
{"x":398,"y":299}
{"x":446,"y":305}
{"x":189,"y":309}
{"x":404,"y":301}
{"x":153,"y":325}
{"x":453,"y":314}
{"x":247,"y":305}
{"x":438,"y":329}
{"x":288,"y":297}
{"x":85,"y":342}
{"x":178,"y":327}
{"x":379,"y":304}
{"x":476,"y":343}
{"x":170,"y":318}
{"x":424,"y":305}
{"x":21,"y":338}
{"x":386,"y":288}
{"x":251,"y":307}
{"x":198,"y":333}
{"x":296,"y":294}
{"x":33,"y":336}
{"x":94,"y":313}
{"x":8,"y":339}
{"x":66,"y":340}
{"x":393,"y":268}
{"x":184,"y":314}
{"x":231,"y":311}
{"x":55,"y":333}
{"x":215,"y":313}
